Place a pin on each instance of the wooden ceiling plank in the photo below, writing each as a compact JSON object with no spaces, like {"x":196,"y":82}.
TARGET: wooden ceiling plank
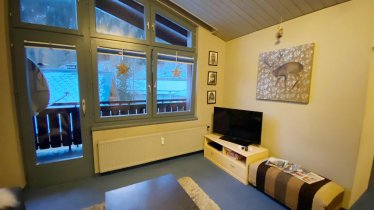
{"x":305,"y":7}
{"x":243,"y":15}
{"x":284,"y":12}
{"x":247,"y":12}
{"x":291,"y":6}
{"x":258,"y":13}
{"x":200,"y":11}
{"x":341,"y":1}
{"x":315,"y":4}
{"x":328,"y":3}
{"x":269,"y":10}
{"x":187,"y":13}
{"x":221,"y":22}
{"x":236,"y":20}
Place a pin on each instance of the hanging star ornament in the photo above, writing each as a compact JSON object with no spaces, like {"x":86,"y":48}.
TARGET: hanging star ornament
{"x":176,"y":72}
{"x":123,"y":69}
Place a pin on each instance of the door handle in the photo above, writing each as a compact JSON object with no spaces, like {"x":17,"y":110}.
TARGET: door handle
{"x":84,"y":107}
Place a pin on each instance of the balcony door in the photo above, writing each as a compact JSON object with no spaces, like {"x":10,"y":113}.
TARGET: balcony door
{"x":52,"y":104}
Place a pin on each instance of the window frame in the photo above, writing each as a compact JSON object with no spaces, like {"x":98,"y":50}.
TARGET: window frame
{"x":161,"y":10}
{"x":86,"y":32}
{"x":81,"y":21}
{"x":95,"y":34}
{"x":95,"y":44}
{"x":152,"y":47}
{"x":190,"y":113}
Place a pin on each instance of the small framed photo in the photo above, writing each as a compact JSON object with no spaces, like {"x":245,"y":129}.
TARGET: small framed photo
{"x":212,"y":78}
{"x":213,"y":58}
{"x":211,"y":96}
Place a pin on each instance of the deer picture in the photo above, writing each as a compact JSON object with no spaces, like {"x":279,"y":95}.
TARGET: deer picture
{"x":285,"y":70}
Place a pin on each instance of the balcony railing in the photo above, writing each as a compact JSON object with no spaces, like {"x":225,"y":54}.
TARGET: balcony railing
{"x":139,"y":107}
{"x":59,"y":124}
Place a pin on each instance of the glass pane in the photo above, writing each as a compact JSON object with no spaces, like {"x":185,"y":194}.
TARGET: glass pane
{"x":168,"y":32}
{"x":120,"y":18}
{"x":54,"y":100}
{"x":57,"y":13}
{"x":174,"y":83}
{"x":122,"y":82}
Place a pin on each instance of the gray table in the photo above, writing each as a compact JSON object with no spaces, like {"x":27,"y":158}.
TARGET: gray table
{"x":163,"y":192}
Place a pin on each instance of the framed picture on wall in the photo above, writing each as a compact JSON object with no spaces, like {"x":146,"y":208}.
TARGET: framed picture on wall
{"x":211,"y":96}
{"x":212,"y":78}
{"x":213,"y":58}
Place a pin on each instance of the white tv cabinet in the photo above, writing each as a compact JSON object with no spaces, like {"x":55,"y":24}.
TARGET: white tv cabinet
{"x":231,"y":158}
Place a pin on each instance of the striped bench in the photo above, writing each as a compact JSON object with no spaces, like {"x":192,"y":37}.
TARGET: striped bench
{"x":293,"y":192}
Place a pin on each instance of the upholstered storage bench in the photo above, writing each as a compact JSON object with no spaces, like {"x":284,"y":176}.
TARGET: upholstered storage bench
{"x":293,"y":192}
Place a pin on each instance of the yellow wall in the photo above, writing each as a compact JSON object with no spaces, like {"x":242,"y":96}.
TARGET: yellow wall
{"x":205,"y":42}
{"x":11,"y":168}
{"x":324,"y":135}
{"x":366,"y":152}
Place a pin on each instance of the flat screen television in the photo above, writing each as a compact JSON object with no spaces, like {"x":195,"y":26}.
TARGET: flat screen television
{"x":242,"y":127}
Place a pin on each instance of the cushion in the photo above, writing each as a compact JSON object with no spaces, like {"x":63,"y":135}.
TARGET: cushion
{"x":11,"y":199}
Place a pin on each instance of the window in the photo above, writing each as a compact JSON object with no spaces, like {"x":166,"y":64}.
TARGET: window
{"x":169,"y":32}
{"x":120,"y":18}
{"x":141,"y":65}
{"x":54,"y":93}
{"x":57,"y":13}
{"x":174,"y":83}
{"x":122,"y":82}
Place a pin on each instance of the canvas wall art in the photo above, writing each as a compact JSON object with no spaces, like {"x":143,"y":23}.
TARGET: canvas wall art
{"x":285,"y":74}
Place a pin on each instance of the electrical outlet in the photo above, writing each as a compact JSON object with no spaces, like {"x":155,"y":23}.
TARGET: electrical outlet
{"x":162,"y":140}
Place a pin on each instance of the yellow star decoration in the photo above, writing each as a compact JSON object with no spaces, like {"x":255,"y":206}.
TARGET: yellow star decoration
{"x":122,"y":69}
{"x":176,"y":72}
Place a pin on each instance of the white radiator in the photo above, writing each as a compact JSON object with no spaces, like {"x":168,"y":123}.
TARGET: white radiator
{"x":130,"y":151}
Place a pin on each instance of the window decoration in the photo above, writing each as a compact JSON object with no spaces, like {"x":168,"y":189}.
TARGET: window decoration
{"x":122,"y":68}
{"x":176,"y":72}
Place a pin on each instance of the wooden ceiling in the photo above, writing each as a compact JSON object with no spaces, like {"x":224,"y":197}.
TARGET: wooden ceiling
{"x":234,"y":18}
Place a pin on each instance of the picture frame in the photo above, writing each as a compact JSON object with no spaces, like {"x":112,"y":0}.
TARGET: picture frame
{"x":211,"y":97}
{"x":212,"y":78}
{"x":213,"y":58}
{"x":285,"y":74}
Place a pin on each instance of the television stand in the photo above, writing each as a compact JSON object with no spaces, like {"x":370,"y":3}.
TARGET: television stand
{"x":230,"y":157}
{"x":235,"y":140}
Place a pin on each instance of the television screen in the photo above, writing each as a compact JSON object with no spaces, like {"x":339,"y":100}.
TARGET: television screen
{"x":238,"y":126}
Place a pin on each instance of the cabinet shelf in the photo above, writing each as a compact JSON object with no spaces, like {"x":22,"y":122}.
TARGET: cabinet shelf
{"x":230,"y":157}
